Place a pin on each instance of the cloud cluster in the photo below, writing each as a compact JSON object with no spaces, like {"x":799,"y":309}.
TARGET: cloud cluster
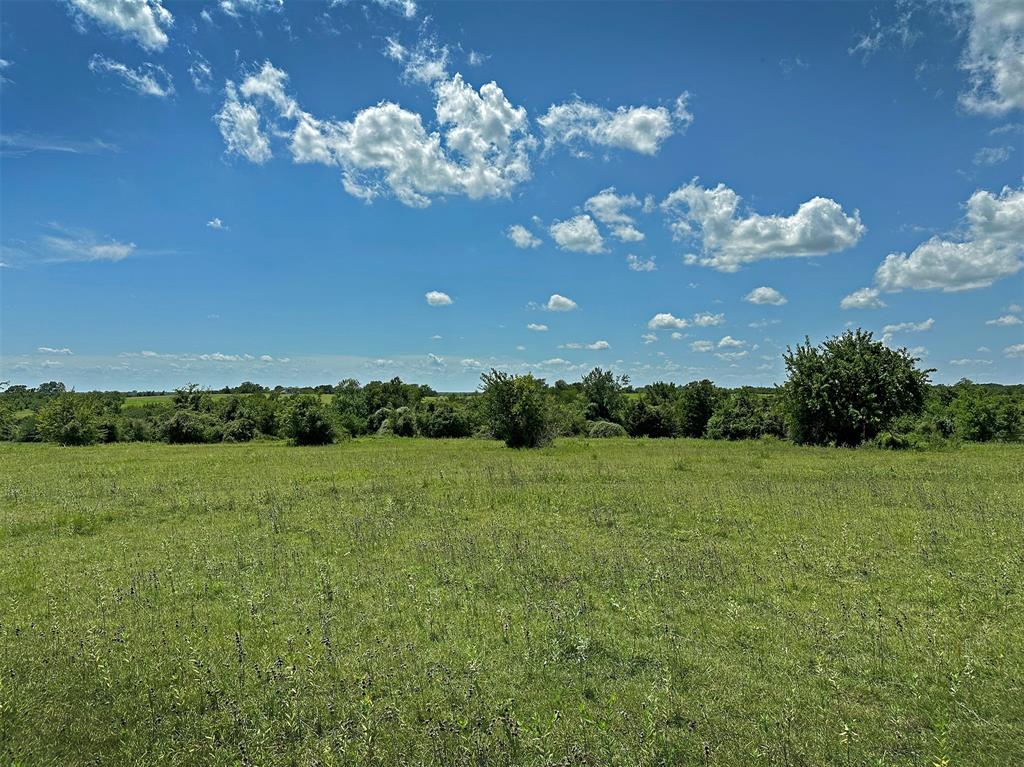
{"x":609,"y":208}
{"x":641,"y":129}
{"x":147,"y":21}
{"x":668,"y":321}
{"x":863,"y":298}
{"x":578,"y":234}
{"x":994,"y":58}
{"x":765,"y":296}
{"x":522,"y":237}
{"x":730,"y":240}
{"x":481,"y":148}
{"x":992,"y":248}
{"x":147,"y":80}
{"x":559,"y":303}
{"x":595,"y":346}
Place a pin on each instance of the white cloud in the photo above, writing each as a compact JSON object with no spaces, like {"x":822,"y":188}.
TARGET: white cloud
{"x":537,"y":326}
{"x":609,"y":208}
{"x":729,"y":241}
{"x":406,"y":8}
{"x":992,"y":248}
{"x":729,"y":341}
{"x":702,"y":346}
{"x":665,"y":321}
{"x":522,"y":237}
{"x":731,"y":356}
{"x":668,"y":321}
{"x":81,"y":245}
{"x":559,"y":303}
{"x":437,"y":298}
{"x":216,"y":223}
{"x":965,"y":361}
{"x":1005,"y":321}
{"x":994,"y":58}
{"x":240,"y":127}
{"x":578,"y":234}
{"x":649,"y":338}
{"x":426,"y":63}
{"x":863,"y":298}
{"x":595,"y":346}
{"x":909,"y":327}
{"x":1017,"y":350}
{"x":236,"y":8}
{"x":641,"y":129}
{"x":147,"y":80}
{"x":993,"y":155}
{"x":201,"y":72}
{"x":637,"y":265}
{"x":147,"y":21}
{"x":469,"y":362}
{"x":481,"y":149}
{"x":765,"y":295}
{"x":50,"y":350}
{"x":1014,"y":308}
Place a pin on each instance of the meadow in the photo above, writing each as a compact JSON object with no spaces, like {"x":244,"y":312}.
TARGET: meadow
{"x":454,"y":602}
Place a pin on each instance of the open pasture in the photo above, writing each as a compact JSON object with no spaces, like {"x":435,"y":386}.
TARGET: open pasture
{"x":450,"y":602}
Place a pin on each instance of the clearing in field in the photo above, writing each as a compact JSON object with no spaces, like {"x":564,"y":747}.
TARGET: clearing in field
{"x":388,"y":601}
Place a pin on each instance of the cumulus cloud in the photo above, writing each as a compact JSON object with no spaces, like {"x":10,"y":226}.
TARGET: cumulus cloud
{"x":1007,"y":320}
{"x":481,"y":148}
{"x":863,"y":298}
{"x":909,"y":327}
{"x":636,"y":264}
{"x":578,"y":234}
{"x":146,"y":21}
{"x":147,"y":80}
{"x":765,"y":295}
{"x":649,"y":338}
{"x":641,"y":129}
{"x":1017,"y":350}
{"x":595,"y":346}
{"x":990,"y":249}
{"x":437,"y":298}
{"x":668,"y":321}
{"x":994,"y":58}
{"x":609,"y":208}
{"x":559,"y":303}
{"x":522,"y":237}
{"x":51,"y":350}
{"x":216,"y":223}
{"x":730,"y":342}
{"x":236,"y":8}
{"x":239,"y":125}
{"x":702,"y":346}
{"x":967,"y":361}
{"x":538,"y":326}
{"x":820,"y":226}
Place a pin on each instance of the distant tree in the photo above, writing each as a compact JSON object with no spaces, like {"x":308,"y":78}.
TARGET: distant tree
{"x":185,"y":426}
{"x":191,"y":397}
{"x":68,"y":419}
{"x":744,"y":414}
{"x":441,"y":418}
{"x":604,"y":394}
{"x":695,"y":403}
{"x":849,"y":388}
{"x":6,"y":420}
{"x":306,"y":421}
{"x":51,"y":389}
{"x":645,"y":419}
{"x":516,"y":409}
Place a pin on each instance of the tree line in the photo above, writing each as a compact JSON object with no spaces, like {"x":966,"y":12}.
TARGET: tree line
{"x":846,"y":391}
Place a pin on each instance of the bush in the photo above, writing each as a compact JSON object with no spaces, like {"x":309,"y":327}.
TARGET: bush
{"x":646,"y":420}
{"x":604,"y":394}
{"x":69,"y":419}
{"x":137,"y":430}
{"x":601,"y":429}
{"x":746,"y":415}
{"x":516,"y":409}
{"x":440,"y":418}
{"x":187,"y":427}
{"x":239,"y":430}
{"x":849,"y":389}
{"x":888,"y":440}
{"x":26,"y":429}
{"x":402,"y":422}
{"x":306,"y":421}
{"x":694,"y":406}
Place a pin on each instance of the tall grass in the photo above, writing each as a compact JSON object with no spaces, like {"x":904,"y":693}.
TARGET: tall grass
{"x":392,"y":601}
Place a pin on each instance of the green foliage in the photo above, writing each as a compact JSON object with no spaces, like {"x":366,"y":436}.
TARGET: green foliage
{"x":849,"y":388}
{"x":402,"y":422}
{"x":694,"y":405}
{"x":980,"y":417}
{"x":191,"y":397}
{"x":645,"y":419}
{"x":69,"y":419}
{"x":306,"y":421}
{"x":603,"y":392}
{"x":441,"y":417}
{"x":602,"y":429}
{"x":516,"y":409}
{"x":744,"y":414}
{"x":185,"y":426}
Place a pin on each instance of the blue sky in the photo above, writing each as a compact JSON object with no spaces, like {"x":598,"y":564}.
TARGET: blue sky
{"x":298,"y":193}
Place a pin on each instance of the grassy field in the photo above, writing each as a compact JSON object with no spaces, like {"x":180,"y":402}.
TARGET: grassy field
{"x":388,"y":601}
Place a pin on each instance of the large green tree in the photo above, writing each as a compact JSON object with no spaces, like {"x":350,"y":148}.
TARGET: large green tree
{"x":849,"y":388}
{"x":517,"y":409}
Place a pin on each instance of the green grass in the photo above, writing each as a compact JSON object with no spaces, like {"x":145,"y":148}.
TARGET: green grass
{"x":390,"y":601}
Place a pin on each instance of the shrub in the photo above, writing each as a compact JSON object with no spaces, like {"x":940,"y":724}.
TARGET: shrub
{"x":888,"y":440}
{"x":403,"y":424}
{"x":604,"y":394}
{"x":239,"y":430}
{"x":306,"y":421}
{"x":26,"y":429}
{"x":644,"y":419}
{"x":440,"y":418}
{"x":69,"y":419}
{"x":694,"y":406}
{"x":746,"y":415}
{"x":601,"y":429}
{"x":849,"y":388}
{"x":186,"y":427}
{"x":516,"y":409}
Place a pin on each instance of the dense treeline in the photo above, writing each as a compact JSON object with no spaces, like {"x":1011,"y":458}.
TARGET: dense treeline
{"x":847,"y":391}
